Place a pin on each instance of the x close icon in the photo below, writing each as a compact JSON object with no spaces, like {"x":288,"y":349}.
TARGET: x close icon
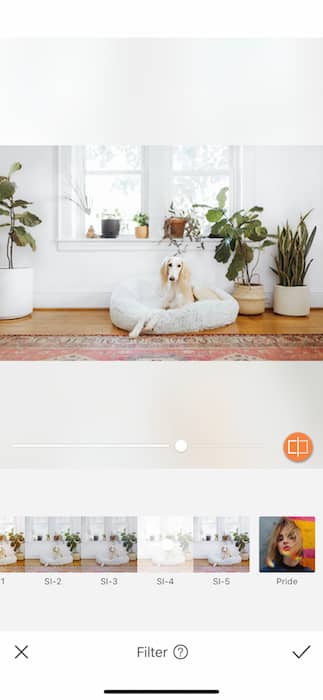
{"x":21,"y":652}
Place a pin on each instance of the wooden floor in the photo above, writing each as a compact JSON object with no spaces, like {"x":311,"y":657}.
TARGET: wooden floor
{"x":81,"y":566}
{"x":203,"y":566}
{"x":18,"y":567}
{"x":98,"y":322}
{"x":146,"y":566}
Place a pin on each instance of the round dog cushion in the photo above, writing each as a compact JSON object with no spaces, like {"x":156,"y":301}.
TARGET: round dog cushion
{"x":7,"y":555}
{"x":140,"y":298}
{"x":105,"y":560}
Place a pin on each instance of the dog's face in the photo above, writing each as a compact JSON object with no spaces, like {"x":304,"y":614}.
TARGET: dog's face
{"x":172,"y":268}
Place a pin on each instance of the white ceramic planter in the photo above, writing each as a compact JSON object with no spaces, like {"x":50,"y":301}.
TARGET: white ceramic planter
{"x":16,"y":292}
{"x":291,"y":301}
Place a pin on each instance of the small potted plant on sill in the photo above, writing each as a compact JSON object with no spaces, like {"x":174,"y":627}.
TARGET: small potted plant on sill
{"x":129,"y":540}
{"x":175,"y":222}
{"x":292,"y":295}
{"x":110,"y":223}
{"x":142,"y":221}
{"x":16,"y":283}
{"x":241,"y":541}
{"x":243,"y":238}
{"x":72,"y":540}
{"x":16,"y":540}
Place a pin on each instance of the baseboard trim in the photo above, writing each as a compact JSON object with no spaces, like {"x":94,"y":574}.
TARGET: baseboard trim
{"x":101,"y":300}
{"x":72,"y":300}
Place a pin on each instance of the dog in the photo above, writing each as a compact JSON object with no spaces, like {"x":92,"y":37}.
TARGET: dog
{"x":176,"y":283}
{"x":176,"y":291}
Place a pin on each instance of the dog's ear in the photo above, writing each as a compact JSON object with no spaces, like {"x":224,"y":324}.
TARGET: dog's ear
{"x":185,"y":273}
{"x":164,"y":271}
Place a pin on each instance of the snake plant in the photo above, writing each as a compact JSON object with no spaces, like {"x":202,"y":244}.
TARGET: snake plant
{"x":293,"y":249}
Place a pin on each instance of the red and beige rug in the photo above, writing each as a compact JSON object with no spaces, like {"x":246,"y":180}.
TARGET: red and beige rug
{"x":297,"y":347}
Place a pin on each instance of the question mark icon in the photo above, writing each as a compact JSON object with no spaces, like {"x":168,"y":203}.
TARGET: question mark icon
{"x":180,"y":651}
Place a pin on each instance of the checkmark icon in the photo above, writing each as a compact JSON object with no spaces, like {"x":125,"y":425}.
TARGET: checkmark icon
{"x":299,"y":656}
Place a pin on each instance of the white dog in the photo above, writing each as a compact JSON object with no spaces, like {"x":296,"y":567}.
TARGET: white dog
{"x":176,"y":291}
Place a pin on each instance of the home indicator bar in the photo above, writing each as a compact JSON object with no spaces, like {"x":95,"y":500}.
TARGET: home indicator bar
{"x":162,"y":692}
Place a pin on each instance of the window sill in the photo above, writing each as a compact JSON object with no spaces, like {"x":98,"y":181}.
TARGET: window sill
{"x":122,"y":243}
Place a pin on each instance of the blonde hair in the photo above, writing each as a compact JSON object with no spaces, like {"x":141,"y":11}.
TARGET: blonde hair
{"x":273,"y":554}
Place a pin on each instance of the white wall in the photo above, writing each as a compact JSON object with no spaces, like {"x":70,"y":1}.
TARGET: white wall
{"x":286,"y":180}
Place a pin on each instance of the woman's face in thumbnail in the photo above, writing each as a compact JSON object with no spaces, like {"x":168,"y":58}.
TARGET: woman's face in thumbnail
{"x":289,"y":542}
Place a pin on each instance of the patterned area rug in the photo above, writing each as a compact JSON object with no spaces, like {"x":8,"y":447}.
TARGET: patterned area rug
{"x":184,"y":347}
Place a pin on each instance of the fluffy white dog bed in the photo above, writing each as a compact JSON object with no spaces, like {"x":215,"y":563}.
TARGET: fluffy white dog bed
{"x":225,"y":555}
{"x":56,"y":555}
{"x":114,"y":556}
{"x":169,"y":553}
{"x":7,"y":555}
{"x":140,"y":298}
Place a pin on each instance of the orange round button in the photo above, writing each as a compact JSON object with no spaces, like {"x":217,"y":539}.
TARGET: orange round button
{"x":298,"y":447}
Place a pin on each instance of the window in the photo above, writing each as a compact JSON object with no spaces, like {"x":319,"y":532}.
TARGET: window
{"x":205,"y":527}
{"x":198,"y":173}
{"x":42,"y":528}
{"x":113,"y":181}
{"x":100,"y":528}
{"x":11,"y":523}
{"x":130,"y":178}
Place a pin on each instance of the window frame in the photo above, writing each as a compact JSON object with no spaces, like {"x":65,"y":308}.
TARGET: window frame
{"x":157,"y":178}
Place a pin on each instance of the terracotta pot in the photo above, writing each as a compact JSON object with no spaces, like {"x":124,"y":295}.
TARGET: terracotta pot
{"x":141,"y":231}
{"x":176,"y":226}
{"x":251,"y":298}
{"x":291,"y":301}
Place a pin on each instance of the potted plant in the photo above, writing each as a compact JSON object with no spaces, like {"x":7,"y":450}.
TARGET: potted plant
{"x":241,"y":540}
{"x":141,"y":230}
{"x":16,"y":540}
{"x":110,"y":223}
{"x":292,"y":295}
{"x":175,"y":222}
{"x":129,"y":539}
{"x":185,"y":539}
{"x":72,"y":540}
{"x":16,"y":283}
{"x":243,"y":238}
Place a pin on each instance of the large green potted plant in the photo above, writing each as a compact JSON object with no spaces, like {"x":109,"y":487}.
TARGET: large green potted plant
{"x":241,"y":541}
{"x":16,"y":283}
{"x":291,"y":294}
{"x":242,"y":239}
{"x":72,"y":540}
{"x":16,"y":540}
{"x":129,"y":540}
{"x":185,"y":540}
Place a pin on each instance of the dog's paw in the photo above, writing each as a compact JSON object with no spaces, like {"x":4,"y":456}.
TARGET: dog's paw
{"x":150,"y":324}
{"x":133,"y":334}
